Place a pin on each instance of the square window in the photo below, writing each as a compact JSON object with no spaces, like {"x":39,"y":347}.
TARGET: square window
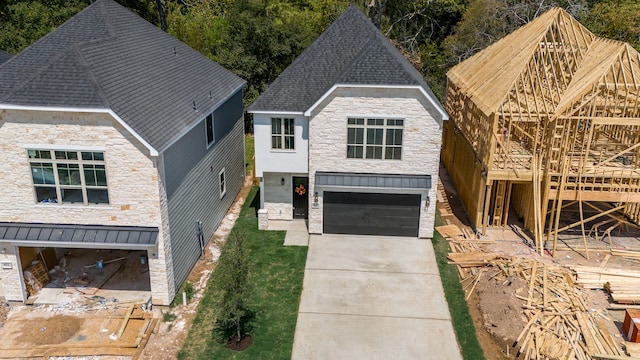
{"x":382,"y":137}
{"x":68,"y":177}
{"x":283,"y":133}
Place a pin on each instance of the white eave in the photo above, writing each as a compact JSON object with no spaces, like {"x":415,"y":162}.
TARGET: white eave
{"x":429,"y":98}
{"x":152,"y":151}
{"x":263,"y":112}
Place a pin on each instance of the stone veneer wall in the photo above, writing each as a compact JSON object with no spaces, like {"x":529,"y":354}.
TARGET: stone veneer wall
{"x":420,"y":148}
{"x":133,"y":182}
{"x":9,"y":278}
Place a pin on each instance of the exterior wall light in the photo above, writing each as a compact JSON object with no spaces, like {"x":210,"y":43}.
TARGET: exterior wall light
{"x":282,"y":181}
{"x":315,"y":199}
{"x":427,"y":202}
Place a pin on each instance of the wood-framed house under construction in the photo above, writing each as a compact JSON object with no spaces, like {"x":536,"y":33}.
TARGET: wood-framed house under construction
{"x":546,"y":122}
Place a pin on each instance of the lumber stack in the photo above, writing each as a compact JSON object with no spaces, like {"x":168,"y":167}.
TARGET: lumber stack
{"x":629,"y":254}
{"x":476,"y":258}
{"x":622,"y":284}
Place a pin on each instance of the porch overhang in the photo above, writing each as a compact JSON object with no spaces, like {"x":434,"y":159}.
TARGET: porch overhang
{"x":79,"y":236}
{"x":373,"y":181}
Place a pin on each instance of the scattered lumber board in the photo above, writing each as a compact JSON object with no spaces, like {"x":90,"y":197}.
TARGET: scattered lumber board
{"x":622,"y":284}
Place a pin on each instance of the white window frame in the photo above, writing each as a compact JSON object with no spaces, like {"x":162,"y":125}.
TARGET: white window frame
{"x":222,"y":182}
{"x":209,"y":120}
{"x":283,"y":135}
{"x":81,"y":164}
{"x":364,"y":124}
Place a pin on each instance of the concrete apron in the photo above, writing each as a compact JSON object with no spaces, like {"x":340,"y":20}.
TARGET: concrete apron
{"x":372,"y":297}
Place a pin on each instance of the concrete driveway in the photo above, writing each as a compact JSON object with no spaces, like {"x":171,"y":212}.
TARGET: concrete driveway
{"x":372,"y":297}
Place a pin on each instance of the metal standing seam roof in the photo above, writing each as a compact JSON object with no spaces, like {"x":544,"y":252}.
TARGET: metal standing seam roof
{"x":108,"y":58}
{"x":79,"y":236}
{"x":352,"y":51}
{"x":420,"y":182}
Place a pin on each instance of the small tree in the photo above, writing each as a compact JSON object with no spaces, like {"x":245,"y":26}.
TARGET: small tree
{"x":231,"y":281}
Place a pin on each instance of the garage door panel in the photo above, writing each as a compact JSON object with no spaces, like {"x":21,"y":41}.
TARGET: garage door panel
{"x":371,"y":214}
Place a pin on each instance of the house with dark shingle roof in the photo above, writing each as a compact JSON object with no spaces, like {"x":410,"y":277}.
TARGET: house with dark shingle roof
{"x":348,"y":137}
{"x":115,"y":135}
{"x":4,"y":56}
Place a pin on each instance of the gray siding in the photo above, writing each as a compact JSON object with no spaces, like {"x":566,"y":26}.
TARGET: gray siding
{"x":197,"y":198}
{"x":225,"y":116}
{"x":183,"y":155}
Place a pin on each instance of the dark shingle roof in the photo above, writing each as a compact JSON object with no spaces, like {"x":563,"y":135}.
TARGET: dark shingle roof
{"x":106,"y":57}
{"x":4,"y":56}
{"x":350,"y":51}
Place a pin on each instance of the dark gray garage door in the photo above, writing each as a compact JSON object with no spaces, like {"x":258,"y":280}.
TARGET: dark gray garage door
{"x":371,"y":213}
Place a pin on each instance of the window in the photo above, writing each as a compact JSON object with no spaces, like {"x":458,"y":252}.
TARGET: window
{"x":223,"y":183}
{"x":374,"y":138}
{"x":209,"y":126}
{"x":69,"y":177}
{"x":282,"y":133}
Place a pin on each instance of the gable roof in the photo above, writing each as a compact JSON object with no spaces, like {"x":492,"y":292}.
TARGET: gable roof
{"x":607,"y":64}
{"x":108,"y":58}
{"x":4,"y":56}
{"x":489,"y":75}
{"x":352,"y":51}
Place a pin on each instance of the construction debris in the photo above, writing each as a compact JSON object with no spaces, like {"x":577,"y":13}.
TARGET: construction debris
{"x":559,"y":325}
{"x":86,"y":335}
{"x":622,"y":284}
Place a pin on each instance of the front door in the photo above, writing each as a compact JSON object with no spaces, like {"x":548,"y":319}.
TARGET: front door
{"x":300,"y":197}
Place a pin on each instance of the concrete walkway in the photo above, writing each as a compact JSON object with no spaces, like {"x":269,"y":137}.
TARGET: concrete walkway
{"x":297,"y":233}
{"x":368,"y":297}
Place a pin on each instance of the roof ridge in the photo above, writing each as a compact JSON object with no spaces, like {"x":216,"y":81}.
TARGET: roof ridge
{"x":92,"y":77}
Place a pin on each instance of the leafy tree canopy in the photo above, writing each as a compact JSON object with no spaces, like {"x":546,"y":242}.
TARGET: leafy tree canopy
{"x":619,"y":19}
{"x":258,"y":39}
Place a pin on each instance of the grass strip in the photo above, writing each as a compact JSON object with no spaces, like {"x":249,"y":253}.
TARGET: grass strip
{"x":276,"y":279}
{"x":462,"y":321}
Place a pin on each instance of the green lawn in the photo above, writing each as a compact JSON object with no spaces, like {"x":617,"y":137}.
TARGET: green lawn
{"x":462,"y":322}
{"x":276,"y":280}
{"x":249,"y":151}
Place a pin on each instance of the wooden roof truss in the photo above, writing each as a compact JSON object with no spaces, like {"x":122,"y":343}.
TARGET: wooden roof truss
{"x":569,"y":122}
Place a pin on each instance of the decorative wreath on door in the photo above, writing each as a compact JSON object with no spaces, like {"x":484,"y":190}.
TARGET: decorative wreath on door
{"x":300,"y":190}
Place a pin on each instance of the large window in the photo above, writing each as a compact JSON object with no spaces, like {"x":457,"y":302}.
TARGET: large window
{"x":282,"y":133}
{"x":374,"y":138}
{"x":69,"y":177}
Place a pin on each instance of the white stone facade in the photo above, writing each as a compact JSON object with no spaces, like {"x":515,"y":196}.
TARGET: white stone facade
{"x":327,"y":149}
{"x":420,"y":145}
{"x":135,"y":197}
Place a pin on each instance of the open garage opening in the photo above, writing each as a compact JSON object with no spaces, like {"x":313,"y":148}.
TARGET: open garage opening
{"x":57,"y":275}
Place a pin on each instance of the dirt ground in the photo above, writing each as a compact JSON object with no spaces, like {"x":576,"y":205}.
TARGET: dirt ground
{"x":493,"y":305}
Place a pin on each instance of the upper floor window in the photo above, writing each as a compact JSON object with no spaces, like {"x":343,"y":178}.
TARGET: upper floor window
{"x":209,"y":127}
{"x":282,"y":133}
{"x":374,"y":138}
{"x":69,"y":177}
